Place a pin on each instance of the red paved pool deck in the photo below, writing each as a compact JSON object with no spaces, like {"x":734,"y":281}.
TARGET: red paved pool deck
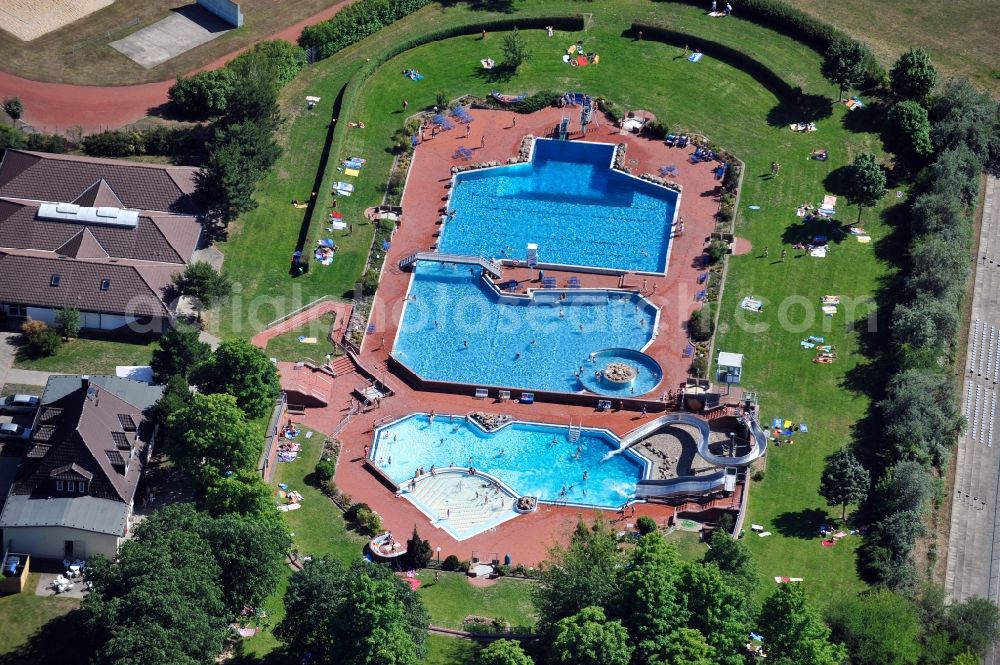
{"x":525,"y":538}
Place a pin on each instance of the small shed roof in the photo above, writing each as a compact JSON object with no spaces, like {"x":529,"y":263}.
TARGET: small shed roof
{"x":727,"y":359}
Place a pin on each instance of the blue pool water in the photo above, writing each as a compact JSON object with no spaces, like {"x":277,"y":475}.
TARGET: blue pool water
{"x":568,"y":201}
{"x":451,"y":304}
{"x":537,"y":460}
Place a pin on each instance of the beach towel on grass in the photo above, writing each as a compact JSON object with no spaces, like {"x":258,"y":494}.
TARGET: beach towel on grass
{"x":695,"y":57}
{"x":352,"y":172}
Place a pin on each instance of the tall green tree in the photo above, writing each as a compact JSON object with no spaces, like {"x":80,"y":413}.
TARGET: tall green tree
{"x":579,"y":575}
{"x":179,"y":352}
{"x":240,"y":369}
{"x":844,"y":481}
{"x":878,"y":627}
{"x":908,"y":130}
{"x":865,"y":182}
{"x":210,"y":436}
{"x":844,"y":64}
{"x":974,"y":623}
{"x":68,"y":322}
{"x":515,"y":50}
{"x":10,"y":138}
{"x":242,"y":493}
{"x":794,"y":631}
{"x":357,"y":615}
{"x":238,"y":543}
{"x":734,"y":560}
{"x":963,"y":115}
{"x":164,"y":586}
{"x":905,"y":486}
{"x":653,"y":606}
{"x":204,"y":283}
{"x":202,"y":95}
{"x":589,"y":638}
{"x":718,"y":610}
{"x":689,"y":647}
{"x":921,"y":417}
{"x":913,"y":76}
{"x":176,"y":395}
{"x":504,"y":652}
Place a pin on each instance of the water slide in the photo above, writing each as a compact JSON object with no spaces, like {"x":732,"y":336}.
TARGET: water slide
{"x":699,"y":423}
{"x":722,"y":480}
{"x":684,"y":486}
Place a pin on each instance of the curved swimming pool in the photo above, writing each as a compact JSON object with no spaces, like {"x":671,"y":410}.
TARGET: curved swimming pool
{"x":531,"y":458}
{"x":642,"y":375}
{"x":457,"y":328}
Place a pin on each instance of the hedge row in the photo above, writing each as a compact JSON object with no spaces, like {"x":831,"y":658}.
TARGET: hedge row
{"x":354,"y":23}
{"x":164,"y":141}
{"x":784,"y":18}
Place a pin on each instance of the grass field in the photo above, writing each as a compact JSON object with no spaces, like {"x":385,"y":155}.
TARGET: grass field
{"x":452,"y":598}
{"x":22,"y":614}
{"x":960,"y":35}
{"x":79,"y":52}
{"x":288,"y":347}
{"x":733,"y":109}
{"x":92,"y":355}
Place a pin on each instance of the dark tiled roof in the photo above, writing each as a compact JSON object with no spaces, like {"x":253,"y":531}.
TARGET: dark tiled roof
{"x":99,"y":194}
{"x":156,"y":238}
{"x":82,"y":246}
{"x":63,"y":178}
{"x":133,"y":291}
{"x":137,"y":393}
{"x":79,"y":439}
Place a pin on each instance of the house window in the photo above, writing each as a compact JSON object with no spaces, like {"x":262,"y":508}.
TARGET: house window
{"x":105,"y":284}
{"x":59,"y":486}
{"x":54,"y":281}
{"x":81,"y":487}
{"x":70,"y":485}
{"x":17,"y":310}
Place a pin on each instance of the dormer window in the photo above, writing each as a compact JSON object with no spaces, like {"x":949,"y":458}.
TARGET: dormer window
{"x":54,"y":280}
{"x":105,"y":284}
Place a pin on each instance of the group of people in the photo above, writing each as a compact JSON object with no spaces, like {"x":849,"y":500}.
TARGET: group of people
{"x":715,"y":8}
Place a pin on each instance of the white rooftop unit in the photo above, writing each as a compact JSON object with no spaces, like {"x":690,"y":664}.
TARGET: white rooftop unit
{"x":730,"y":367}
{"x":70,"y":212}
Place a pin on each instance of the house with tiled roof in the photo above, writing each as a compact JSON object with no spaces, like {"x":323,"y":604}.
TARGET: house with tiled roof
{"x":74,"y":492}
{"x":103,"y":236}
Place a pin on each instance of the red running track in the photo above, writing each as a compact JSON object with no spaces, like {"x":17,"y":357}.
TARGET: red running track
{"x":54,"y":107}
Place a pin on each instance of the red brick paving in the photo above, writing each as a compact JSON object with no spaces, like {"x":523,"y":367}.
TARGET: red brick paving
{"x":341,"y":310}
{"x":525,"y":538}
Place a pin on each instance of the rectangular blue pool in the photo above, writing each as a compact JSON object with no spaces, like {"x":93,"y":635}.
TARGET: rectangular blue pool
{"x":571,"y":203}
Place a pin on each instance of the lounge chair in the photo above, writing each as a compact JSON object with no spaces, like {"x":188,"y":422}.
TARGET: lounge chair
{"x":688,"y":351}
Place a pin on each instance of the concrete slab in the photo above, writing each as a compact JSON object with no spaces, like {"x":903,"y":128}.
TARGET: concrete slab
{"x":182,"y":31}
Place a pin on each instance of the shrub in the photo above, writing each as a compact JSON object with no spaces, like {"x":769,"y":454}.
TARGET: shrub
{"x":646,"y":524}
{"x":369,"y":521}
{"x":354,"y":23}
{"x":702,"y":324}
{"x":717,"y":250}
{"x":38,"y":340}
{"x":351,"y":514}
{"x":418,"y":550}
{"x":13,"y":107}
{"x":204,"y":94}
{"x":10,"y":138}
{"x":536,"y":102}
{"x":656,"y":129}
{"x":758,"y":475}
{"x":369,"y":282}
{"x":116,"y":143}
{"x":699,"y":367}
{"x":451,"y":562}
{"x":48,"y":143}
{"x":324,"y":470}
{"x":68,"y":322}
{"x":284,"y":60}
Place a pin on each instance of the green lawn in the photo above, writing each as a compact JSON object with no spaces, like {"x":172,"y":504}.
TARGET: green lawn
{"x":19,"y":389}
{"x":452,"y":598}
{"x":319,"y":529}
{"x":688,"y":544}
{"x":92,"y":355}
{"x":288,"y":347}
{"x":725,"y":103}
{"x":22,"y":614}
{"x":450,"y":651}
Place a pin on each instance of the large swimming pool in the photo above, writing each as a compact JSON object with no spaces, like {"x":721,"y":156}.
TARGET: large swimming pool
{"x":571,"y":203}
{"x":531,"y":458}
{"x":457,"y":328}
